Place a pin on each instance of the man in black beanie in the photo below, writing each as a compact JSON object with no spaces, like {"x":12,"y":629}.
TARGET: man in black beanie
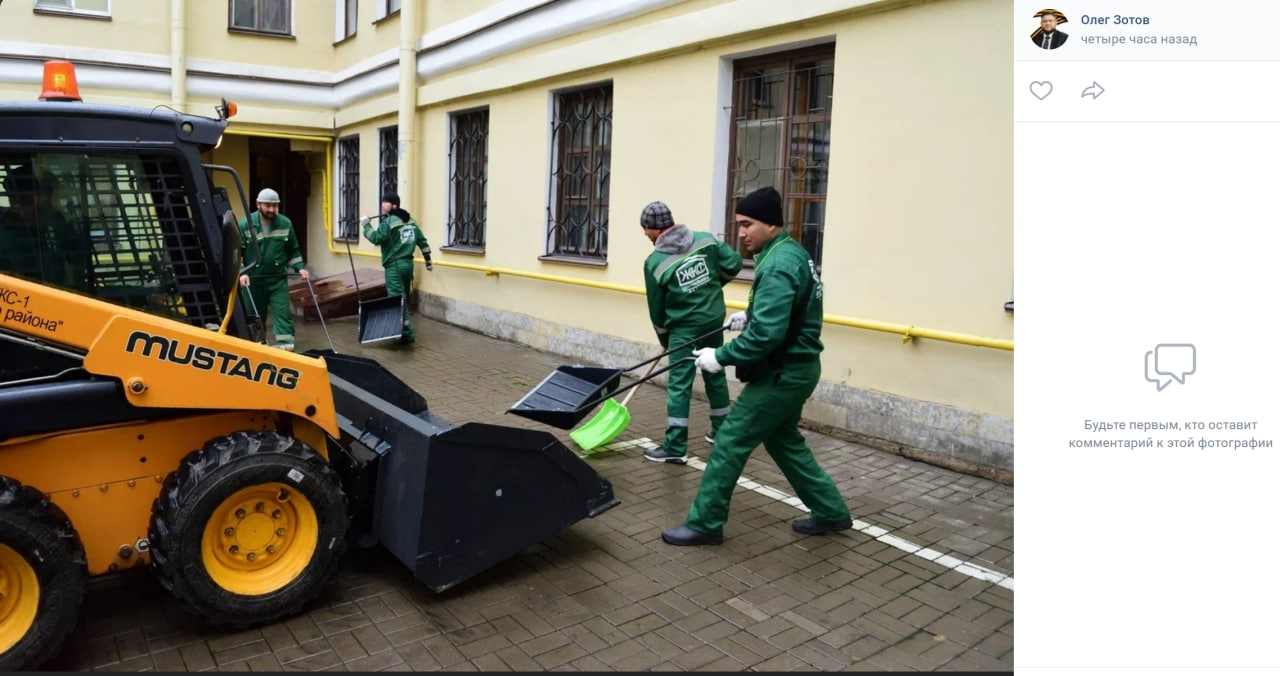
{"x":397,"y":233}
{"x":777,"y":355}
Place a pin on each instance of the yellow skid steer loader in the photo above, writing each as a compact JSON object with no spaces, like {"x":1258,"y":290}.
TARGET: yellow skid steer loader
{"x":140,"y":427}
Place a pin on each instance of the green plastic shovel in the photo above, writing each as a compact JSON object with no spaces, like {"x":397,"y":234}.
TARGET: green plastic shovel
{"x":612,"y":419}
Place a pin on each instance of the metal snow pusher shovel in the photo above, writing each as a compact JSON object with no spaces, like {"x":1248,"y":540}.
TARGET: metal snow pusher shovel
{"x":614,"y":417}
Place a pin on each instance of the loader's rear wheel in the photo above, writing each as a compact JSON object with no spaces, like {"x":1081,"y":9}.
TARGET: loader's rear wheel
{"x":42,"y":577}
{"x":249,"y":528}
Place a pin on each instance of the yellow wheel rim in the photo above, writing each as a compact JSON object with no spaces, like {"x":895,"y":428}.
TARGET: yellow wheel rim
{"x":19,"y":597}
{"x":260,"y":539}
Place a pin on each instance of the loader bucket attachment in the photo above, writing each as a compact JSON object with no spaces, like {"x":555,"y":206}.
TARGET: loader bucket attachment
{"x":451,"y":501}
{"x":369,"y":375}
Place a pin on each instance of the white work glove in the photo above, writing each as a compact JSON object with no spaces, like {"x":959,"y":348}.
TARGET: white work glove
{"x":706,"y":360}
{"x":244,"y":280}
{"x":738,"y":321}
{"x":364,"y":220}
{"x":304,"y":274}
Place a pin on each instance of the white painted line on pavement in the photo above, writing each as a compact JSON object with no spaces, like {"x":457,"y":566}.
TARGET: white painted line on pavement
{"x":969,"y":568}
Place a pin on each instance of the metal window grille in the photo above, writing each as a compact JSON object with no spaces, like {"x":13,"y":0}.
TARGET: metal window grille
{"x":468,"y":178}
{"x":266,"y":16}
{"x":348,"y":189}
{"x":118,"y":226}
{"x":388,"y":150}
{"x":578,"y":204}
{"x":781,"y":137}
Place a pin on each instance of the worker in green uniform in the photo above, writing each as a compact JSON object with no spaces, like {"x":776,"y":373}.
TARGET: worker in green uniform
{"x":398,"y":234}
{"x":777,"y":354}
{"x":684,"y":281}
{"x":278,"y":255}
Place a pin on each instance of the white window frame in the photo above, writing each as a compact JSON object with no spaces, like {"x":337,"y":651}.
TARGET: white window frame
{"x":292,"y":27}
{"x":340,"y":26}
{"x":69,"y":7}
{"x":384,"y":9}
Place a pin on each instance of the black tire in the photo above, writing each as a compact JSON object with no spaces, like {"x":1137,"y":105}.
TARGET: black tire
{"x":188,"y":551}
{"x":50,"y":551}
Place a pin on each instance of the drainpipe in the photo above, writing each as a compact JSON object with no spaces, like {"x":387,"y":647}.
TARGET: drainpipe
{"x":405,"y":161}
{"x":178,"y":54}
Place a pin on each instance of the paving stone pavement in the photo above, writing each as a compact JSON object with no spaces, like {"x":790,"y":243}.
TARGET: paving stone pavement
{"x":924,"y":583}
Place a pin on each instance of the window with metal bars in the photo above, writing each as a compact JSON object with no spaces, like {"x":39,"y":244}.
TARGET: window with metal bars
{"x":115,"y":225}
{"x":260,"y":16}
{"x":781,"y":137}
{"x":388,"y":150}
{"x":468,"y":178}
{"x":348,"y":190}
{"x":578,"y":203}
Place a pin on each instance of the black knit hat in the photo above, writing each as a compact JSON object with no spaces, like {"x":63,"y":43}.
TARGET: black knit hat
{"x":391,"y":197}
{"x":764,"y":205}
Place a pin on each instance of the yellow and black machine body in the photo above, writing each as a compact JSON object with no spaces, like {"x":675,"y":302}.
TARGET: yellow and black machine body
{"x":140,"y":427}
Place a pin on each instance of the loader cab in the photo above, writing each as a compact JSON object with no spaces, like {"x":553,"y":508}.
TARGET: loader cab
{"x":114,"y":203}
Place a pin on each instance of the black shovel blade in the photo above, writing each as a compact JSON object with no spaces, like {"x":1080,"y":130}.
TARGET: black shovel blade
{"x":381,"y":319}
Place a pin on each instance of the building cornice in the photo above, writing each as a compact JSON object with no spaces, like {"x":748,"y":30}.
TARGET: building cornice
{"x":502,"y":29}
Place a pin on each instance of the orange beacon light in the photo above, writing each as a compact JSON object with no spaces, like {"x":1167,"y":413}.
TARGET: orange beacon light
{"x":60,"y":82}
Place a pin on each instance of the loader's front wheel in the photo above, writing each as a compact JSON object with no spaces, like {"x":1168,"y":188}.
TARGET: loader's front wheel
{"x":249,"y":528}
{"x":42,"y":577}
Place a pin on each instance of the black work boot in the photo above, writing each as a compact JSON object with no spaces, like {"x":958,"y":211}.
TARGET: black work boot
{"x":684,"y":536}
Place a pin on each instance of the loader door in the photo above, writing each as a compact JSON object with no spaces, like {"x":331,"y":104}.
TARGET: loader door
{"x":119,"y":225}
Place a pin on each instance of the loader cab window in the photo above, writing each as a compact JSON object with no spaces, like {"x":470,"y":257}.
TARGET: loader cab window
{"x":116,"y":225}
{"x":31,"y":222}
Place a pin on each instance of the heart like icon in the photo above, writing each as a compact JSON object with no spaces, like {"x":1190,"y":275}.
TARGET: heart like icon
{"x":1041,"y":89}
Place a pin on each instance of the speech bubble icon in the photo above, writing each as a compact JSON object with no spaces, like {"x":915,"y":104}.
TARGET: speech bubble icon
{"x":1149,"y":368}
{"x":1174,"y":360}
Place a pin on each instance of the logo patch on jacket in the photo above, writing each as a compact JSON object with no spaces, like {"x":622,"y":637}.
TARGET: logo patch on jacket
{"x":693,"y":273}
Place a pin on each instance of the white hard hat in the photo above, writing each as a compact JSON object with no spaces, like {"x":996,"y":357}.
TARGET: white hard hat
{"x":269,"y":196}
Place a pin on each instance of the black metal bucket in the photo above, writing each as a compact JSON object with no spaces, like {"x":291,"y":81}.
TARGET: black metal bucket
{"x":450,"y":501}
{"x":566,"y":396}
{"x":570,"y":393}
{"x":381,"y":319}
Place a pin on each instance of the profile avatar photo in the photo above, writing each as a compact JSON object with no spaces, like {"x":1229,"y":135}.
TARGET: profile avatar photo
{"x":1047,"y":36}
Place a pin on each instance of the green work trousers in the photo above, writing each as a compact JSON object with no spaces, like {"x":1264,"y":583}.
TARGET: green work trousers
{"x":767,"y":412}
{"x":680,"y":389}
{"x":271,"y":294}
{"x":399,"y":276}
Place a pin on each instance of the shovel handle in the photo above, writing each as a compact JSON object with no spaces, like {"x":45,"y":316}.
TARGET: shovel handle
{"x":627,"y":399}
{"x":647,"y":377}
{"x":320,"y":314}
{"x":678,"y":347}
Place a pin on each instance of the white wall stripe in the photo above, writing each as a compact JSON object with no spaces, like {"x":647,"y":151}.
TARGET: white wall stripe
{"x":969,"y":568}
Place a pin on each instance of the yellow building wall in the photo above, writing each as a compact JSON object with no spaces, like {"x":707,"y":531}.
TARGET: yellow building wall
{"x":440,"y":13}
{"x":309,"y":48}
{"x":919,"y":220}
{"x":371,"y":38}
{"x":133,"y":26}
